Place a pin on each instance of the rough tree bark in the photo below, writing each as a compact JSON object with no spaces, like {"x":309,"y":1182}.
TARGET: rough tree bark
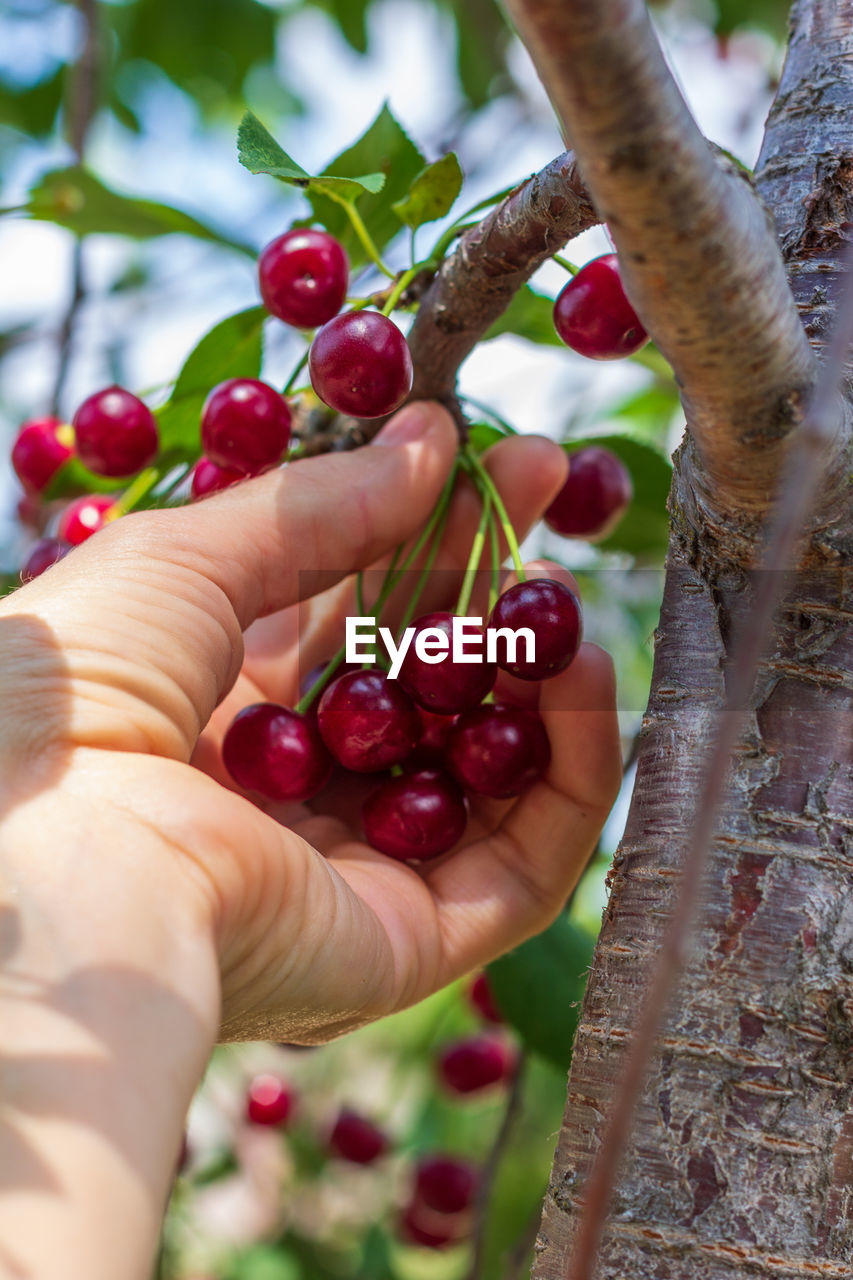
{"x":741,"y":1162}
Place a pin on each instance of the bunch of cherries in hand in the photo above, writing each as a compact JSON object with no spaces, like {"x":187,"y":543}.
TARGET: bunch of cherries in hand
{"x":436,"y":734}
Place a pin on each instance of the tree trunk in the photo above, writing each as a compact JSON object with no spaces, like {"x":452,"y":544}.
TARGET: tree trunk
{"x":741,"y":1161}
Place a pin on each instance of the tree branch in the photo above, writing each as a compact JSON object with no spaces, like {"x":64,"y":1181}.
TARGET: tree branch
{"x":476,"y":283}
{"x":699,"y":258}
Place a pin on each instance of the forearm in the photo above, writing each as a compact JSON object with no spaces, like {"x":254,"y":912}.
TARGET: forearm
{"x":108,"y":1009}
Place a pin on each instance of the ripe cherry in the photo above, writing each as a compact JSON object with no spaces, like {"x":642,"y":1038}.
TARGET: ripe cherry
{"x":269,"y":1101}
{"x":595,"y":496}
{"x":367,"y":721}
{"x":85,"y":516}
{"x":357,"y":1139}
{"x":303,"y":276}
{"x":245,"y":426}
{"x":416,"y":816}
{"x":435,"y":733}
{"x":42,"y":556}
{"x":553,"y":613}
{"x":445,"y":687}
{"x":498,"y":750}
{"x":593,"y":316}
{"x":41,"y":447}
{"x":277,"y":752}
{"x":423,"y":1226}
{"x":480,"y":1062}
{"x":483,"y":1001}
{"x":209,"y":477}
{"x":360,"y":364}
{"x":115,"y":434}
{"x":445,"y":1184}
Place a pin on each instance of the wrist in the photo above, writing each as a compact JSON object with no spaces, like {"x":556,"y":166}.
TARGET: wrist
{"x":109,"y":1002}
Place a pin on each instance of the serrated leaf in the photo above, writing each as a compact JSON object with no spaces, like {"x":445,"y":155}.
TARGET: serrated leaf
{"x":259,"y":152}
{"x":433,"y":192}
{"x":384,"y":148}
{"x":644,"y":529}
{"x":539,"y":986}
{"x":231,"y":349}
{"x":529,"y":315}
{"x":76,"y":199}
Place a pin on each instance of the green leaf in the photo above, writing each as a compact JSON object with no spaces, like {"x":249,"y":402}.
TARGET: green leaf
{"x":433,"y":192}
{"x":530,"y":315}
{"x":259,"y":152}
{"x":644,"y":529}
{"x":265,"y":1262}
{"x":385,"y":148}
{"x":76,"y":199}
{"x":73,"y":478}
{"x":231,"y":349}
{"x":482,"y":435}
{"x":539,"y":986}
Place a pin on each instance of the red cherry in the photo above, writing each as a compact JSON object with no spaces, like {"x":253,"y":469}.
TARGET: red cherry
{"x":115,"y":434}
{"x":593,"y":316}
{"x":446,"y":1184}
{"x":480,"y":1062}
{"x":43,"y":555}
{"x":594,"y":498}
{"x":360,"y":364}
{"x":366,"y":721}
{"x":275,"y":751}
{"x":416,"y":816}
{"x":498,"y":750}
{"x":553,"y":613}
{"x":357,"y":1139}
{"x":39,"y":451}
{"x":483,"y":1001}
{"x":245,"y":426}
{"x":435,"y":733}
{"x":85,"y":516}
{"x":422,"y":1226}
{"x":269,"y":1101}
{"x":303,"y":276}
{"x":445,"y":687}
{"x":208,"y":478}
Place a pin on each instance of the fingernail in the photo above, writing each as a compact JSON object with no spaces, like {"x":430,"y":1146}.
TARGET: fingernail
{"x":409,"y":424}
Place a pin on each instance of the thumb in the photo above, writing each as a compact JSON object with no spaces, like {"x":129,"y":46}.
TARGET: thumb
{"x":148,"y":614}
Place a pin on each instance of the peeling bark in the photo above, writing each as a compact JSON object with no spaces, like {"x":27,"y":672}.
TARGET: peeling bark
{"x":741,"y":1163}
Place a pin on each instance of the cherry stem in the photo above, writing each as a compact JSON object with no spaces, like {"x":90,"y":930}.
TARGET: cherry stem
{"x":362,"y":232}
{"x":495,"y":584}
{"x":487,"y":485}
{"x":400,"y":287}
{"x":565,"y":264}
{"x":425,"y":571}
{"x":133,"y":495}
{"x":473,"y":566}
{"x":491,"y":413}
{"x":392,"y":578}
{"x":288,"y":386}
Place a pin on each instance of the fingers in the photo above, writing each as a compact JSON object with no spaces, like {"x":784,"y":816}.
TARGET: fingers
{"x":149,"y":613}
{"x":500,"y":890}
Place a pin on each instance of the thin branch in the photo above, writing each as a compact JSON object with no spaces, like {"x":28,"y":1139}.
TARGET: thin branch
{"x":809,"y":457}
{"x":490,"y":1169}
{"x":81,"y":105}
{"x":697,"y":250}
{"x":477,"y":282}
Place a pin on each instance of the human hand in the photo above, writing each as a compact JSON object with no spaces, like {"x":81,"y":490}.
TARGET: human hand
{"x":117,"y":660}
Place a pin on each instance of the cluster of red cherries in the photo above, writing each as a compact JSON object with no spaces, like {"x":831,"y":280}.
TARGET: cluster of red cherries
{"x":444,"y":1187}
{"x":436,"y":735}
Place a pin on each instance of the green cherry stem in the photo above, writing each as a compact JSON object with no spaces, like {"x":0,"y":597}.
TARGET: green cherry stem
{"x":362,"y":232}
{"x":423,"y":576}
{"x":400,"y":286}
{"x":495,"y":584}
{"x":565,"y":264}
{"x":487,"y":485}
{"x":133,"y":495}
{"x":291,"y":381}
{"x":473,"y":566}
